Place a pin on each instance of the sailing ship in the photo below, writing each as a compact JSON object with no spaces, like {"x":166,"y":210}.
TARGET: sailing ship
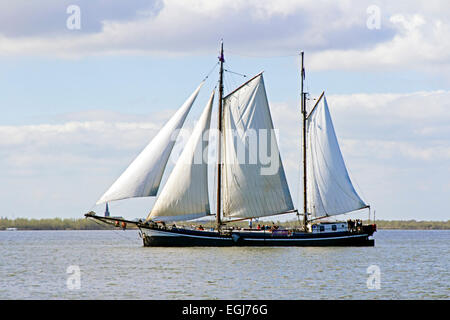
{"x":247,"y":189}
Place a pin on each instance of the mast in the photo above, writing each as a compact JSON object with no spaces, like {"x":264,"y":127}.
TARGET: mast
{"x":303,"y":108}
{"x":219,"y":141}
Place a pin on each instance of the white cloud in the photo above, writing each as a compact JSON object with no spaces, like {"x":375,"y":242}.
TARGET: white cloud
{"x":413,"y":125}
{"x":108,"y":134}
{"x":73,"y":148}
{"x":197,"y":25}
{"x":24,"y":18}
{"x":432,"y":152}
{"x":421,"y":43}
{"x":413,"y":36}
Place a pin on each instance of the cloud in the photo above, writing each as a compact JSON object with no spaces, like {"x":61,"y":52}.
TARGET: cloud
{"x":284,"y":26}
{"x":73,"y":147}
{"x":406,"y":126}
{"x":418,"y":119}
{"x":25,"y":18}
{"x":420,"y":43}
{"x":412,"y":36}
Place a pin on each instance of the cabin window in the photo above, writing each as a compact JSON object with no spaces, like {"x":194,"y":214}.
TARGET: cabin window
{"x":322,"y":228}
{"x":333,"y":227}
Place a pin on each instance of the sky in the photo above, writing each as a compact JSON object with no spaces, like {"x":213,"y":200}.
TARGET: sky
{"x":85,"y":85}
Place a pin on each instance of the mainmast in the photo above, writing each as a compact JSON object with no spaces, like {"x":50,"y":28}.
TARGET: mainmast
{"x":219,"y":142}
{"x":303,"y":108}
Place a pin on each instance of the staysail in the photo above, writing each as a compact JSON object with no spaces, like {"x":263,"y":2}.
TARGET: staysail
{"x":143,"y":177}
{"x":185,"y":194}
{"x":254,"y":182}
{"x":330,"y":190}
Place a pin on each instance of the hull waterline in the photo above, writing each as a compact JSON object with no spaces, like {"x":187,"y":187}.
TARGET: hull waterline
{"x":190,"y":238}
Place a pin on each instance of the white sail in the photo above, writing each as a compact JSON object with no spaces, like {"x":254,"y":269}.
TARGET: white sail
{"x":143,"y":177}
{"x":252,"y":187}
{"x":185,"y":194}
{"x":329,"y":188}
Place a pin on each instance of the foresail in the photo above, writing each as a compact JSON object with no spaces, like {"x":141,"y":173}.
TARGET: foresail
{"x":329,"y":188}
{"x":185,"y":194}
{"x":254,"y":182}
{"x":143,"y":176}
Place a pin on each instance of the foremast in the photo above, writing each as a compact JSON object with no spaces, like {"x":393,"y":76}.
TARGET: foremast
{"x":219,"y":142}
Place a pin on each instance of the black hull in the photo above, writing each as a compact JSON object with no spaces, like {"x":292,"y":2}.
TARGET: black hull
{"x":191,"y":238}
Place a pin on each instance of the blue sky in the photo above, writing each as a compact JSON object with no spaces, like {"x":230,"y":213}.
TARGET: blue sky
{"x":78,"y":105}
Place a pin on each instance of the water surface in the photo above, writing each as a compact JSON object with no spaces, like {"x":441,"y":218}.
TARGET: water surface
{"x":114,"y":265}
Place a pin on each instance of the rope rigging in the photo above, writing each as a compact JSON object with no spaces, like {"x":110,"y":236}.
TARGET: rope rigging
{"x":211,"y":71}
{"x":239,"y":74}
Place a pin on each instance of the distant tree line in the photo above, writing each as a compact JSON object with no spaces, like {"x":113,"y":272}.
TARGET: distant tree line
{"x":87,"y":224}
{"x":52,"y":224}
{"x":413,"y":225}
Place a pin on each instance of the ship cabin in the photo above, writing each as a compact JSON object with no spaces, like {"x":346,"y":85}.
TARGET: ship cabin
{"x":328,"y":227}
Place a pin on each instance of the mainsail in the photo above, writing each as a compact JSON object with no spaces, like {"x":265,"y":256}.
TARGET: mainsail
{"x":330,"y":190}
{"x":185,"y":194}
{"x":252,"y":187}
{"x":143,"y":177}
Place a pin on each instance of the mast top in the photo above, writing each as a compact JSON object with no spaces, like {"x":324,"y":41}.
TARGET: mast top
{"x":221,"y":57}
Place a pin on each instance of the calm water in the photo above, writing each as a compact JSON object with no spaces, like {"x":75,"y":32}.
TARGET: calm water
{"x":114,"y":265}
